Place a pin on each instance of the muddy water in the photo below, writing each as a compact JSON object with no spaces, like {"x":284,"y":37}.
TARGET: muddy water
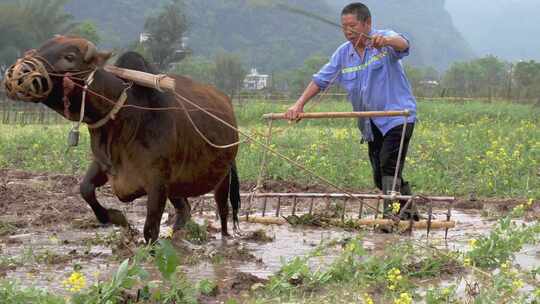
{"x":98,"y":261}
{"x":44,"y":248}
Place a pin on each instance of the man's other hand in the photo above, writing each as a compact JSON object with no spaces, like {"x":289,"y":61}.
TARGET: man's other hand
{"x":378,"y":41}
{"x":294,"y":112}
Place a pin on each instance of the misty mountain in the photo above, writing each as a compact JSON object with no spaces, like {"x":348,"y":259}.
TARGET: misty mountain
{"x":434,"y":39}
{"x":505,"y":28}
{"x":272,"y":39}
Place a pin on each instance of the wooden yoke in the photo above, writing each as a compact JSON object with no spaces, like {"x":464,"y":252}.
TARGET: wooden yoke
{"x":160,"y":82}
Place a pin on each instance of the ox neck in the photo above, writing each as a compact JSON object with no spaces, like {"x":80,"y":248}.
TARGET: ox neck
{"x":106,"y":85}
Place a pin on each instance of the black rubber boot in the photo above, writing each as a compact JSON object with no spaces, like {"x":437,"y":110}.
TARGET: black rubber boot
{"x":387,"y":204}
{"x":410,"y":212}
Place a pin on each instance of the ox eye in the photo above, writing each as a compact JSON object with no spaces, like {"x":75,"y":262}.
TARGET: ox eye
{"x":69,"y":57}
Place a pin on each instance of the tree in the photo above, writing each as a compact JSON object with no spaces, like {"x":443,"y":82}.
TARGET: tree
{"x":26,"y":24}
{"x":296,"y":80}
{"x":527,"y":77}
{"x":485,"y":76}
{"x":165,"y":32}
{"x":198,"y":68}
{"x":45,"y":18}
{"x":87,"y":30}
{"x":230,"y":74}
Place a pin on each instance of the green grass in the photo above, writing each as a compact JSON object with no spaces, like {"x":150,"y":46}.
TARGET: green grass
{"x":491,"y":149}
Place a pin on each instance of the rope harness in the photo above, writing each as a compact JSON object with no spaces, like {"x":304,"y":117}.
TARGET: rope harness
{"x":28,"y":80}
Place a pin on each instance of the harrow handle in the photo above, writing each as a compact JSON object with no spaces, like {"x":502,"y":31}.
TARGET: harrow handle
{"x":278,"y":116}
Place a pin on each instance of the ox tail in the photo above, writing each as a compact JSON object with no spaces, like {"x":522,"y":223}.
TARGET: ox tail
{"x":234,"y":194}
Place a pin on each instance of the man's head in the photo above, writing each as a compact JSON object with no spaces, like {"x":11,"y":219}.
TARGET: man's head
{"x":356,"y":19}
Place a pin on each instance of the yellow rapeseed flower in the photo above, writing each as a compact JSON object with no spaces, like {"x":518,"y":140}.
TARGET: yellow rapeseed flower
{"x":395,"y":207}
{"x":519,"y":208}
{"x":505,"y":266}
{"x":404,"y":298}
{"x":367,"y":299}
{"x":472,"y":243}
{"x":75,"y":282}
{"x":169,"y":232}
{"x":517,"y":284}
{"x":467,"y":262}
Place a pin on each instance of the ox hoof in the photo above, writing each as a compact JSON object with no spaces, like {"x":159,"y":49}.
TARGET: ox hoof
{"x":116,"y":217}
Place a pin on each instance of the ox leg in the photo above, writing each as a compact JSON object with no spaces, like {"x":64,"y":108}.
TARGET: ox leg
{"x":221,"y":195}
{"x":183,"y":212}
{"x":155,"y":205}
{"x":95,"y":177}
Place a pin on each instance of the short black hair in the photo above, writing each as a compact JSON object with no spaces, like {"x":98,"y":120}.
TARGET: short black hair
{"x":359,"y":9}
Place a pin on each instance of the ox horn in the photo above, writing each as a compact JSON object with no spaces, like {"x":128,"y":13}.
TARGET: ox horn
{"x":91,"y":52}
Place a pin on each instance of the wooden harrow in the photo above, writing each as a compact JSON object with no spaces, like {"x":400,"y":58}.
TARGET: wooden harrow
{"x":275,"y":208}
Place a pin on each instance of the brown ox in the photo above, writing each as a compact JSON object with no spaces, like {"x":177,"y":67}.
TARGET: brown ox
{"x":145,"y":152}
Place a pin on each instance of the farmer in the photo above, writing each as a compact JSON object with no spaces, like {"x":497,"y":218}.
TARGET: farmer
{"x":368,"y":66}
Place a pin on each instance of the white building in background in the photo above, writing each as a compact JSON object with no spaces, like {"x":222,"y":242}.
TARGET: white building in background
{"x":143,"y":37}
{"x":255,"y":81}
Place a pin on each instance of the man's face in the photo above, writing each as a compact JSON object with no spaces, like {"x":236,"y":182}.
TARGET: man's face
{"x":352,"y":28}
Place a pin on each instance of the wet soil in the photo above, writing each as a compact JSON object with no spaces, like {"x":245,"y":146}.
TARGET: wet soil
{"x":47,"y":230}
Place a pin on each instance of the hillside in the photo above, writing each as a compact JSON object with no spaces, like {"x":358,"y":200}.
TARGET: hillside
{"x":272,"y":39}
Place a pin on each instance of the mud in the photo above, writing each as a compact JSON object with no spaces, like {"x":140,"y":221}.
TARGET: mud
{"x":47,"y":230}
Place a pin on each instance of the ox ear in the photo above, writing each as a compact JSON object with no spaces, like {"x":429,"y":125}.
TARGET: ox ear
{"x":101,"y":58}
{"x":94,"y":57}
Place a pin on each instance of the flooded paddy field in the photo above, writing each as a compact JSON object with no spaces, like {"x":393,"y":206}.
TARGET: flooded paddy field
{"x":47,"y":231}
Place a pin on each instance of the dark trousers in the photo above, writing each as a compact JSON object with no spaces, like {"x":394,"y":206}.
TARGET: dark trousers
{"x":383,"y":152}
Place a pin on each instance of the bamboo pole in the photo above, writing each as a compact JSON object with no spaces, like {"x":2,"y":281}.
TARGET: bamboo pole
{"x":362,"y":222}
{"x":161,"y":81}
{"x":276,"y":116}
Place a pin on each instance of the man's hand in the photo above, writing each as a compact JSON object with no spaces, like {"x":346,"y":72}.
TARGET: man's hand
{"x":294,"y":111}
{"x":378,"y":41}
{"x":398,"y":43}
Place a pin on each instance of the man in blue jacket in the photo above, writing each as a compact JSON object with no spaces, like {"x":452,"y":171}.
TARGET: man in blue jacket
{"x":368,"y":66}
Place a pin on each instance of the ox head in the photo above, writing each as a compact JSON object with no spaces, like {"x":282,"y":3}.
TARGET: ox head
{"x":39,"y":73}
{"x":71,"y":54}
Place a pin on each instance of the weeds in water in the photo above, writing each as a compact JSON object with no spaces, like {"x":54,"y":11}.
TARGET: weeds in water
{"x":7,"y":228}
{"x":442,"y":295}
{"x":12,"y":293}
{"x":196,"y":233}
{"x":129,"y":284}
{"x":505,"y":239}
